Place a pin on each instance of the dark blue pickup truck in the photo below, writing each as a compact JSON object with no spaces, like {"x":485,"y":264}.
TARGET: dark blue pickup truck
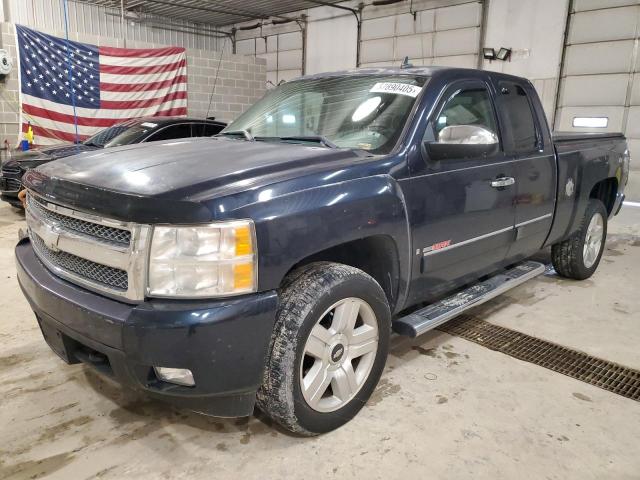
{"x":270,"y":264}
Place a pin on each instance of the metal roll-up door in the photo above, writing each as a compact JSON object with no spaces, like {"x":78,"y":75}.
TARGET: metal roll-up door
{"x":600,"y":84}
{"x":447,"y":36}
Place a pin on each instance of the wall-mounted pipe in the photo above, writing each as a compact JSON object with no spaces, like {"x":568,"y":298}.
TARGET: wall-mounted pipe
{"x":484,"y":18}
{"x":561,"y":67}
{"x":234,"y":11}
{"x":381,"y":3}
{"x":159,"y":22}
{"x":192,"y":32}
{"x":356,"y":13}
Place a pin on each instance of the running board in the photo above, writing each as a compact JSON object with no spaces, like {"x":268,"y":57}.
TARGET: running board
{"x":430,"y":317}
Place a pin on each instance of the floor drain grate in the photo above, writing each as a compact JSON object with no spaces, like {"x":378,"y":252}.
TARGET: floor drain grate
{"x":595,"y":371}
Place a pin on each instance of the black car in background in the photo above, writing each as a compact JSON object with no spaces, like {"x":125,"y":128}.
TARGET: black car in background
{"x":138,"y":130}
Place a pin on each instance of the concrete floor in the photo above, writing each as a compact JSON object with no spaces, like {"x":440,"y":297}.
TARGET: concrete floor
{"x":448,"y":409}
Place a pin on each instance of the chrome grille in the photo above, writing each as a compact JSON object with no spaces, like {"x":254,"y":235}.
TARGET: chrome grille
{"x":99,"y":232}
{"x":101,"y":254}
{"x":95,"y":272}
{"x":12,"y":185}
{"x":11,"y":169}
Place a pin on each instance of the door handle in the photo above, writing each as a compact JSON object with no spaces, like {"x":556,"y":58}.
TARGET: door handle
{"x":503,"y":182}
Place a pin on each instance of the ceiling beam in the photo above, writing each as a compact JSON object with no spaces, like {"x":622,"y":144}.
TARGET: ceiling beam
{"x":236,"y":12}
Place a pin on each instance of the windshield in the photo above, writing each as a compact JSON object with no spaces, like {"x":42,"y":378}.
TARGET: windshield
{"x":132,"y":134}
{"x":101,"y":138}
{"x":364,"y":112}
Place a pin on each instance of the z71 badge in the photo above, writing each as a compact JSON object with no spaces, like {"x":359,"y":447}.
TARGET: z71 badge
{"x":436,"y":246}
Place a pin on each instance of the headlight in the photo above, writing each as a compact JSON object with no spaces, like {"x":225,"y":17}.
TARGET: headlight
{"x":203,"y":261}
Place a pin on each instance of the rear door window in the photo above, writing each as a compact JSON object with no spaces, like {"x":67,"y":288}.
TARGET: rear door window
{"x":182,"y":130}
{"x":519,"y":119}
{"x":206,"y":129}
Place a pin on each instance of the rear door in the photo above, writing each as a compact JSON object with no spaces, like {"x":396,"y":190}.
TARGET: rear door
{"x":461,"y":217}
{"x":526,"y":139}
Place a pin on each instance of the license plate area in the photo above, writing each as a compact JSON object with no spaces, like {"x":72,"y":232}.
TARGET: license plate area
{"x":62,"y":345}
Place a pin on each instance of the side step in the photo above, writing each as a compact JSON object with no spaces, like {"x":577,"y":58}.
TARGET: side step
{"x":430,"y":317}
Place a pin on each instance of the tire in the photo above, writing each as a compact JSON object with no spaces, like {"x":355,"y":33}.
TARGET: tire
{"x":570,"y":258}
{"x":319,"y":297}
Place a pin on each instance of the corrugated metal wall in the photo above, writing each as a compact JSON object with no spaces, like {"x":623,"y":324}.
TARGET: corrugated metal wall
{"x":443,"y":36}
{"x":102,"y":21}
{"x":429,"y":32}
{"x":281,"y":46}
{"x":601,"y":73}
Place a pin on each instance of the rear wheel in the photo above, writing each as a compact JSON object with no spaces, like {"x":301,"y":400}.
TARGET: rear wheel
{"x":578,"y":257}
{"x":329,"y":348}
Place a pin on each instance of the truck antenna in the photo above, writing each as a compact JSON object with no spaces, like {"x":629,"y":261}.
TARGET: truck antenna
{"x":406,"y":64}
{"x":215,"y":80}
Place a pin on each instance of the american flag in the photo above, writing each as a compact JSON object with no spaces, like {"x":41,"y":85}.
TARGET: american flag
{"x":106,"y":85}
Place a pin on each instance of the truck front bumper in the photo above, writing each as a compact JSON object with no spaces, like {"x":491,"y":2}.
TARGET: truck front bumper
{"x":223,"y":343}
{"x":10,"y":186}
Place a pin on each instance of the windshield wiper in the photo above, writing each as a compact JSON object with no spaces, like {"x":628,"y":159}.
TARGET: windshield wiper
{"x":244,"y":133}
{"x":322,"y":140}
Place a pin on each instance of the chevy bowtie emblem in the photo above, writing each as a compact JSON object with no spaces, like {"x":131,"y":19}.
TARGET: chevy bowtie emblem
{"x":50,"y":239}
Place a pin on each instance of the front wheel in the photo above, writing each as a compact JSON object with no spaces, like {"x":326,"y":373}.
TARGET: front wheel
{"x":579,"y":256}
{"x":329,"y":348}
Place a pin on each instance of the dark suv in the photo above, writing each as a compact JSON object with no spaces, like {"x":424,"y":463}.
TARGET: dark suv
{"x":149,"y":129}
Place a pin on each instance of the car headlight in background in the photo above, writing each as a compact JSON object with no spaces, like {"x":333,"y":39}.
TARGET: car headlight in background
{"x":201,"y":261}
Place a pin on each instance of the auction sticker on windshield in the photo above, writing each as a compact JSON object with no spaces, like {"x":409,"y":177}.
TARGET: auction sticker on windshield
{"x":396,"y":88}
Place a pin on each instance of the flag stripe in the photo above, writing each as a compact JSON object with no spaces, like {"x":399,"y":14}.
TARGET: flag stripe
{"x":140,"y":61}
{"x":145,"y":95}
{"x":62,"y":131}
{"x":52,"y":133}
{"x":126,"y":105}
{"x":41,"y":116}
{"x":118,"y":70}
{"x":43,"y":113}
{"x":103,"y":113}
{"x":140,"y":52}
{"x":141,"y":87}
{"x":129,"y":79}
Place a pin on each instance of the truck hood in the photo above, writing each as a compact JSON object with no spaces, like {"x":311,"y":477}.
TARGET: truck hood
{"x":46,"y":154}
{"x":178,"y":172}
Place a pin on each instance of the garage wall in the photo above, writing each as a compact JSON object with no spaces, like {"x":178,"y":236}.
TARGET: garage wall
{"x":443,"y":32}
{"x":279,"y":45}
{"x":430,"y":32}
{"x":241,"y":80}
{"x":326,"y":50}
{"x":428,"y":35}
{"x":104,"y":22}
{"x":534,"y":30}
{"x":600,"y":76}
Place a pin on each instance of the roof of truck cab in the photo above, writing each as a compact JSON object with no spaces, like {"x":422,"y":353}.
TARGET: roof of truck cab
{"x":421,"y":71}
{"x":163,"y":121}
{"x":410,"y":71}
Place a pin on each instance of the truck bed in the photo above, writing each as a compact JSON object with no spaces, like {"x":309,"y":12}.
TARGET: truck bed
{"x":583,"y":160}
{"x":580,"y":136}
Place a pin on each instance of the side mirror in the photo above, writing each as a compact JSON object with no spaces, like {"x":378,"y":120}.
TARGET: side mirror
{"x":462,"y":141}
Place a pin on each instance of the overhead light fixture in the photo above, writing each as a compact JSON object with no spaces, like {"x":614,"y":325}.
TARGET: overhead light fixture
{"x":489,"y":53}
{"x":504,"y":54}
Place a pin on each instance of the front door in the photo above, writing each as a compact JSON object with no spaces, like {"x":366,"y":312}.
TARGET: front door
{"x":461,"y":208}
